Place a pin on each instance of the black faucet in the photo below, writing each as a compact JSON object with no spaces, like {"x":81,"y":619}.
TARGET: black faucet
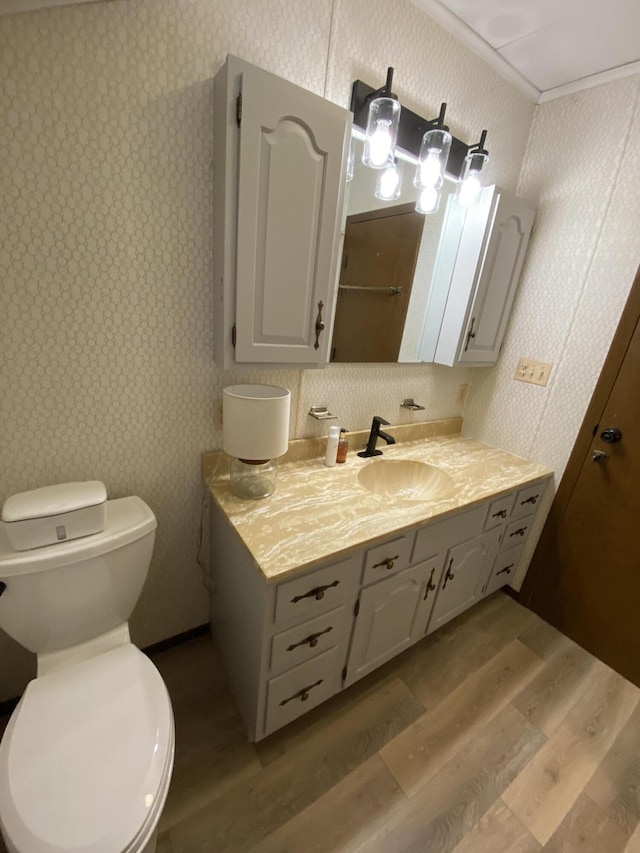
{"x":374,"y":435}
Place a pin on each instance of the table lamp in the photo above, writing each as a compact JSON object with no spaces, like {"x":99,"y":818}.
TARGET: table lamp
{"x":255,"y":432}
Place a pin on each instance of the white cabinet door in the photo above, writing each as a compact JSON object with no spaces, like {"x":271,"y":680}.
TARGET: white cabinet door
{"x":392,"y":615}
{"x":465,"y":570}
{"x":480,"y":293}
{"x":290,"y":151}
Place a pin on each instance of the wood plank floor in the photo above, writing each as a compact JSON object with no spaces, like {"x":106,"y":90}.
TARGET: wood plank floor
{"x":495,"y":734}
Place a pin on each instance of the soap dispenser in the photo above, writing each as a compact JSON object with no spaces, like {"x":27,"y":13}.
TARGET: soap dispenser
{"x":332,"y":446}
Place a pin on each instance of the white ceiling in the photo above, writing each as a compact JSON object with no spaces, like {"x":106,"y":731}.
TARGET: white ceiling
{"x":547,"y":47}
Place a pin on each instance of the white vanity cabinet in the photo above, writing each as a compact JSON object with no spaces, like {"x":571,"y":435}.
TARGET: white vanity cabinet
{"x":475,"y":278}
{"x":278,"y":186}
{"x":291,"y":645}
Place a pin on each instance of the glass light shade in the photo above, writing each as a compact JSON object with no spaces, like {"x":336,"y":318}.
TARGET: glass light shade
{"x":434,"y":154}
{"x":428,"y":200}
{"x":470,"y":187}
{"x":382,"y":132}
{"x":352,"y":159}
{"x":389,"y":183}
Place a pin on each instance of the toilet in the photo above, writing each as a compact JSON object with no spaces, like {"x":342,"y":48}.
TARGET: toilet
{"x":86,"y":759}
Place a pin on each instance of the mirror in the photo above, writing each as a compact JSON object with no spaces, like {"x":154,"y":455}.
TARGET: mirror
{"x":389,"y":254}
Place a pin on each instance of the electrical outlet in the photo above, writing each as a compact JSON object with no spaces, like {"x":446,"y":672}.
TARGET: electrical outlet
{"x":461,"y":396}
{"x":217,"y":415}
{"x":530,"y":370}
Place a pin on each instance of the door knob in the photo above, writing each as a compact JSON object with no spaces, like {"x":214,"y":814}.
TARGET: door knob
{"x":611,"y":435}
{"x":599,"y":456}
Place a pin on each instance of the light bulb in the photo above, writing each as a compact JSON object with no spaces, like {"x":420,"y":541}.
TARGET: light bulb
{"x":434,"y":155}
{"x":430,"y":169}
{"x":382,"y":132}
{"x":380,"y":144}
{"x":470,"y":187}
{"x":470,"y":190}
{"x":428,"y":200}
{"x":389,"y":184}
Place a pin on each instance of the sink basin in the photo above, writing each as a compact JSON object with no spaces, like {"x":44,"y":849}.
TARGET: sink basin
{"x":406,"y":479}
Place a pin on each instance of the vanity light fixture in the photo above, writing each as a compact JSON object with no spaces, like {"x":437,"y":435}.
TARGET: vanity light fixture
{"x":470,"y":185}
{"x":383,"y":120}
{"x":389,"y":183}
{"x":434,"y":154}
{"x":255,"y":432}
{"x":351,"y":162}
{"x":419,"y":140}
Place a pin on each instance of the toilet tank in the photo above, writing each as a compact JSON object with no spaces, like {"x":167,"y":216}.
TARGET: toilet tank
{"x":60,"y":595}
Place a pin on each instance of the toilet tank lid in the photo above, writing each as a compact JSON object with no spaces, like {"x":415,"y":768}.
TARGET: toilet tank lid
{"x":53,"y":500}
{"x":128,"y":519}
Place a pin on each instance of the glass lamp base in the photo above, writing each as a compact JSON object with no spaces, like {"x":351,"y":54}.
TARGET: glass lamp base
{"x":252,"y":481}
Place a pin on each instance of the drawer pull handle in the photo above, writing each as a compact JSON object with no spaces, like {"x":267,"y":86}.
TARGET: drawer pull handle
{"x":519,"y":532}
{"x":530,"y":500}
{"x":389,"y":562}
{"x":449,"y":575}
{"x":507,"y":569}
{"x":303,"y":694}
{"x":501,"y":514}
{"x":312,"y":639}
{"x":317,"y":593}
{"x":430,"y":585}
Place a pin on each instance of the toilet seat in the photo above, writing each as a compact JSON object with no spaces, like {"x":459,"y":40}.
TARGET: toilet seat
{"x":86,"y":760}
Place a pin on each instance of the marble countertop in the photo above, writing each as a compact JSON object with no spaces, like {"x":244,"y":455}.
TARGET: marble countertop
{"x":318,"y":513}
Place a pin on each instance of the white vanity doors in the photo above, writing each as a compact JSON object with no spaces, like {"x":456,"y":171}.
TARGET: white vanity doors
{"x":287,"y":149}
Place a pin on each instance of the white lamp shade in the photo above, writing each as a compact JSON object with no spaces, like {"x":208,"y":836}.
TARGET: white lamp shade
{"x":255,"y":421}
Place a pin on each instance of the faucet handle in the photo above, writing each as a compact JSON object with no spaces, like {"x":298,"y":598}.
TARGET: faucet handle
{"x":378,"y":421}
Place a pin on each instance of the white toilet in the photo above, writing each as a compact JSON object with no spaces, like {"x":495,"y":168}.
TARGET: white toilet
{"x":86,"y":759}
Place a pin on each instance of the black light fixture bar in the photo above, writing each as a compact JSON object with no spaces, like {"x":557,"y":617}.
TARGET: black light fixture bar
{"x":412,"y":126}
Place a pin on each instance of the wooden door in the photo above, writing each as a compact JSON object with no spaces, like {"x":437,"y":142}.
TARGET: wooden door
{"x":292,"y":158}
{"x":378,"y":265}
{"x":585,"y":575}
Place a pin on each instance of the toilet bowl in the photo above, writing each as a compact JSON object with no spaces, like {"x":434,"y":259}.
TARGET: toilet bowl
{"x":86,"y":759}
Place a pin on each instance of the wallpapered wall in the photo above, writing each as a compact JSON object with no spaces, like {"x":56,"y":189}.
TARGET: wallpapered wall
{"x":579,"y":171}
{"x":105,"y":255}
{"x":105,"y":249}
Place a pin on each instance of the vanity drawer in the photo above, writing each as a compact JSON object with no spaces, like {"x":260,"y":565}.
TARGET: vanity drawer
{"x":516,"y":532}
{"x":499,"y":511}
{"x":314,"y":593}
{"x":387,"y":559}
{"x":297,"y":691}
{"x":439,"y":537}
{"x":528,"y":500}
{"x":293,"y":647}
{"x":503,"y":569}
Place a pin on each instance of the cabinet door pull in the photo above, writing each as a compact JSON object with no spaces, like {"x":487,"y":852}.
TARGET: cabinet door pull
{"x":530,"y":500}
{"x":470,"y":334}
{"x":501,"y":514}
{"x":507,"y":569}
{"x":519,"y":532}
{"x":312,"y":639}
{"x":319,"y":325}
{"x":430,"y":585}
{"x":449,"y":575}
{"x":388,"y":563}
{"x":317,"y":593}
{"x":303,"y":694}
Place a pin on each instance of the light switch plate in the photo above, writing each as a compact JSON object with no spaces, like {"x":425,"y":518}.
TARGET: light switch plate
{"x":530,"y":370}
